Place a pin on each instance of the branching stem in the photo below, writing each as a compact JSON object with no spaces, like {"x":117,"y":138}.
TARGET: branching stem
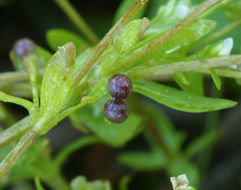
{"x":148,"y":52}
{"x":25,"y":142}
{"x":103,"y":44}
{"x":196,"y":65}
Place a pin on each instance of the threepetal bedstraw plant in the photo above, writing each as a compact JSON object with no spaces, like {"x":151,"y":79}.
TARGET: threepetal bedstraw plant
{"x":163,"y":48}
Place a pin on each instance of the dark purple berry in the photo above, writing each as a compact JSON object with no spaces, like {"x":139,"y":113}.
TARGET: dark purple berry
{"x":23,"y":47}
{"x":120,"y":86}
{"x":116,"y":111}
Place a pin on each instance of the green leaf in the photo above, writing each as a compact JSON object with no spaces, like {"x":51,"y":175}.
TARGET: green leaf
{"x":81,"y":58}
{"x":113,"y":134}
{"x":173,"y":139}
{"x":145,"y":161}
{"x":131,"y":34}
{"x":80,"y":183}
{"x":187,"y":36}
{"x":38,"y":184}
{"x":221,"y":48}
{"x":124,"y":181}
{"x":59,"y":37}
{"x":124,"y":6}
{"x":201,"y":143}
{"x":57,"y":81}
{"x":181,"y":166}
{"x":45,"y":56}
{"x":194,"y":84}
{"x":216,"y":79}
{"x":233,"y":10}
{"x":169,"y":14}
{"x":180,"y":100}
{"x":99,"y":185}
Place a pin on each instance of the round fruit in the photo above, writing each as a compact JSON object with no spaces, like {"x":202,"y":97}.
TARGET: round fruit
{"x":119,"y":86}
{"x":116,"y":111}
{"x":23,"y":47}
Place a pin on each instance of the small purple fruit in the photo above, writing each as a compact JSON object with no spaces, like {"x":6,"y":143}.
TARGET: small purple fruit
{"x":116,"y":111}
{"x":119,"y":86}
{"x":23,"y":47}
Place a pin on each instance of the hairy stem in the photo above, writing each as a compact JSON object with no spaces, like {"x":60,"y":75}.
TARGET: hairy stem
{"x":103,"y":44}
{"x":17,"y":76}
{"x":15,"y":131}
{"x":25,"y":142}
{"x":32,"y":71}
{"x":75,"y":17}
{"x":196,"y":65}
{"x":148,"y":52}
{"x":22,"y":102}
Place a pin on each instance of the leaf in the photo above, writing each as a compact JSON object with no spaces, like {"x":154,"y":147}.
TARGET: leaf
{"x":38,"y":184}
{"x":59,"y":37}
{"x":201,"y":143}
{"x":194,"y":85}
{"x":124,"y":6}
{"x":45,"y":56}
{"x":81,"y":58}
{"x":145,"y":161}
{"x":216,"y":79}
{"x":131,"y":34}
{"x":233,"y":10}
{"x":57,"y":81}
{"x":80,"y":183}
{"x":181,"y":166}
{"x":26,"y":168}
{"x":187,"y":36}
{"x":113,"y":134}
{"x":124,"y":182}
{"x":172,"y":138}
{"x":169,"y":14}
{"x":180,"y":100}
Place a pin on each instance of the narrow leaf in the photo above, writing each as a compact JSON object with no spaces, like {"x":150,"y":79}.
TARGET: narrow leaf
{"x":201,"y":143}
{"x":146,"y":161}
{"x":59,"y":37}
{"x":216,"y":79}
{"x":180,"y":100}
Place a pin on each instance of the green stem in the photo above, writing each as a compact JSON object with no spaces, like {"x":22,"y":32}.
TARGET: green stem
{"x":30,"y":65}
{"x":15,"y":131}
{"x":17,"y":89}
{"x":16,"y":76}
{"x":103,"y":44}
{"x":148,"y":52}
{"x":76,"y":145}
{"x":15,"y":100}
{"x":57,"y":182}
{"x":196,"y":65}
{"x":25,"y":142}
{"x":73,"y":15}
{"x":225,"y":30}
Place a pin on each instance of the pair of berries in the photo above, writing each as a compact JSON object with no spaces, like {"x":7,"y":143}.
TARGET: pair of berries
{"x":116,"y":109}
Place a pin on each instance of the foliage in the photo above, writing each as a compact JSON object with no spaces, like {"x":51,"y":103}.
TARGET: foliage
{"x":74,"y":84}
